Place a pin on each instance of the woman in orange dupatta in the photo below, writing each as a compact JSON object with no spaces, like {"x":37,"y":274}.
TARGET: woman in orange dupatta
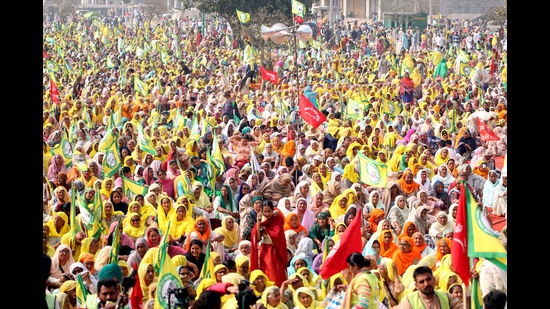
{"x":201,"y":233}
{"x":407,"y":184}
{"x":387,"y":245}
{"x":272,"y":250}
{"x":409,"y":228}
{"x":376,"y":215}
{"x":292,"y":222}
{"x":406,"y":255}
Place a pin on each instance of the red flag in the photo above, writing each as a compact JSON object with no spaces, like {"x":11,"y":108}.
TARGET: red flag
{"x":136,"y":299}
{"x":310,"y":114}
{"x":459,"y":254}
{"x":299,"y":19}
{"x":268,"y":75}
{"x":54,"y":92}
{"x":486,"y":133}
{"x":44,"y":53}
{"x":349,"y":242}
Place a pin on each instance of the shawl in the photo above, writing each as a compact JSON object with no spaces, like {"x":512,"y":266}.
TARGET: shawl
{"x":134,"y":257}
{"x":350,"y":173}
{"x":308,"y":219}
{"x":335,"y":209}
{"x":274,"y":228}
{"x":331,"y":192}
{"x":230,"y":238}
{"x":179,"y":228}
{"x":438,"y":254}
{"x":265,"y":294}
{"x":203,"y":237}
{"x":375,"y":213}
{"x":287,"y":226}
{"x":404,"y":260}
{"x":276,"y":186}
{"x":407,"y":188}
{"x":125,"y":240}
{"x":392,"y":246}
{"x":421,"y":247}
{"x":132,"y":231}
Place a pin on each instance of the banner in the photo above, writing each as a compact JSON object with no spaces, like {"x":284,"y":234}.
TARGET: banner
{"x":372,"y":172}
{"x":486,"y":133}
{"x":298,"y":8}
{"x":271,"y":76}
{"x":243,"y":17}
{"x":348,"y":243}
{"x":309,"y":113}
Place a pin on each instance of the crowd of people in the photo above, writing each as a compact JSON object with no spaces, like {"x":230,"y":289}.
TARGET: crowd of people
{"x":169,"y":130}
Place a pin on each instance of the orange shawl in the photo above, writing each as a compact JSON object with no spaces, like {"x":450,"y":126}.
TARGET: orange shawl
{"x":438,"y":254}
{"x":375,"y":213}
{"x":404,"y":260}
{"x":392,"y":246}
{"x":287,"y":225}
{"x":407,"y":188}
{"x":423,"y":246}
{"x":203,"y":237}
{"x":406,"y":226}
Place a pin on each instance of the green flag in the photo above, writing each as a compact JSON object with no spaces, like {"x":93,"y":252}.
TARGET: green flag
{"x":144,"y":142}
{"x":64,"y":148}
{"x":243,"y":17}
{"x":298,"y":8}
{"x":132,"y":188}
{"x":113,"y":254}
{"x":140,"y":86}
{"x":112,"y":160}
{"x":372,"y":172}
{"x":52,"y":66}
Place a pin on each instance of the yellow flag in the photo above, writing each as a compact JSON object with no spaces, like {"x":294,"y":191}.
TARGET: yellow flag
{"x":372,"y":172}
{"x":243,"y":17}
{"x":169,"y":279}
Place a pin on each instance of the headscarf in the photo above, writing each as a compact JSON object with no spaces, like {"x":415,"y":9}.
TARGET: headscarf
{"x":392,"y":247}
{"x":287,"y":225}
{"x":288,"y":234}
{"x":375,"y":213}
{"x":438,"y":254}
{"x":254,"y":275}
{"x":335,"y":209}
{"x":230,"y":238}
{"x":202,"y":237}
{"x":203,"y":285}
{"x":240,"y":260}
{"x":179,"y":260}
{"x":404,"y":260}
{"x":276,"y":186}
{"x":298,"y":305}
{"x":331,"y":192}
{"x":408,"y":188}
{"x":68,"y":285}
{"x":265,"y":294}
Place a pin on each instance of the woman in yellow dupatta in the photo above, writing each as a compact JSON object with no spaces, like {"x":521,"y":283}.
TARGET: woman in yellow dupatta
{"x":395,"y":159}
{"x":304,"y":298}
{"x":192,"y":148}
{"x":271,"y":298}
{"x":339,"y":206}
{"x":325,"y":173}
{"x":230,"y":232}
{"x":182,"y":223}
{"x":259,"y":282}
{"x":135,"y":228}
{"x":165,"y":209}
